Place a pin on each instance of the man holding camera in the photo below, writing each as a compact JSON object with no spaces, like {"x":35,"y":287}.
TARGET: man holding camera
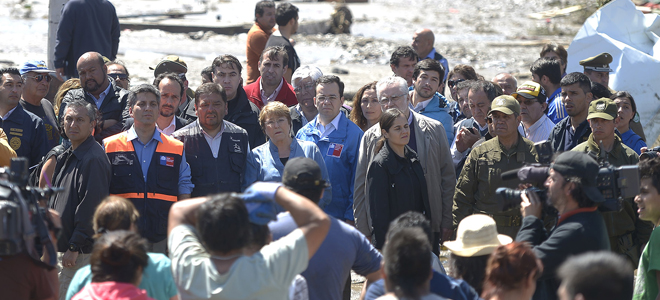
{"x":626,"y":231}
{"x":481,"y":176}
{"x":572,"y":190}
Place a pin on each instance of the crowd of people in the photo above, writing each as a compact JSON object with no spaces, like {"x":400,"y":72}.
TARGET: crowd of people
{"x":279,"y":187}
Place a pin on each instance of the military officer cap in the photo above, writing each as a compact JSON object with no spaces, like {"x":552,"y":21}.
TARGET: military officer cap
{"x":505,"y":104}
{"x":598,"y":63}
{"x":603,"y":108}
{"x":170,"y":63}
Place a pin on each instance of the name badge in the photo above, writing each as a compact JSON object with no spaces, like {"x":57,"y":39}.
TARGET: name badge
{"x":335,"y":150}
{"x":166,"y":161}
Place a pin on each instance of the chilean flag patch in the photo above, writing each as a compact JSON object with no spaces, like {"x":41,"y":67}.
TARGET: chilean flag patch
{"x":166,"y":161}
{"x":335,"y":150}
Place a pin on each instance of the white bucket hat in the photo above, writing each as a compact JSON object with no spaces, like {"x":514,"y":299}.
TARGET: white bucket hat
{"x":477,"y":235}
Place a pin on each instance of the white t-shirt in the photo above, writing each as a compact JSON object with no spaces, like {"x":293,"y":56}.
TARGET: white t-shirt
{"x":265,"y":275}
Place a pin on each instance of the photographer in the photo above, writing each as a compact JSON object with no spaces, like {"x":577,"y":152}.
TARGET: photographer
{"x":573,"y":191}
{"x":626,"y":232}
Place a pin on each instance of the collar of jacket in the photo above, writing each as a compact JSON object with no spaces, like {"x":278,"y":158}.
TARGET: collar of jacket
{"x":519,"y":148}
{"x":84,"y":147}
{"x":390,"y":160}
{"x":337,"y":133}
{"x":275,"y":152}
{"x":592,"y":146}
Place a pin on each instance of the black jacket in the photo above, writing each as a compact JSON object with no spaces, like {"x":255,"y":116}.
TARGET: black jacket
{"x":578,"y":233}
{"x":246,"y":115}
{"x":114,"y":106}
{"x":188,"y":112}
{"x":558,"y":135}
{"x":392,"y":190}
{"x":84,"y":174}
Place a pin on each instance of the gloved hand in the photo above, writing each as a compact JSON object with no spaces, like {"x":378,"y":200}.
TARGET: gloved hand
{"x":259,"y":201}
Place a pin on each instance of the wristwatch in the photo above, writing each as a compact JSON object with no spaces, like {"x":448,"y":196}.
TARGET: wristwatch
{"x":74,"y":248}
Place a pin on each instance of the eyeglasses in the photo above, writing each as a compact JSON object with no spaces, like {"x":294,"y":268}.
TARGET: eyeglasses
{"x":326,"y":98}
{"x":306,"y":87}
{"x":528,"y":102}
{"x":454,"y":82}
{"x":392,"y":99}
{"x":41,"y":77}
{"x":119,"y":76}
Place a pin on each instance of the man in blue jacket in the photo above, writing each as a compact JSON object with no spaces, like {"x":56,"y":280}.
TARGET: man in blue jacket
{"x":427,"y":76}
{"x":339,"y":142}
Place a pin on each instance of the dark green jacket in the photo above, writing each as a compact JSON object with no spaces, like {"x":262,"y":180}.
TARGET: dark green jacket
{"x":481,"y":176}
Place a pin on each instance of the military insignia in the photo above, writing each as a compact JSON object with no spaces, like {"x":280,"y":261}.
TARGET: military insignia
{"x":600,"y":107}
{"x":15,"y":143}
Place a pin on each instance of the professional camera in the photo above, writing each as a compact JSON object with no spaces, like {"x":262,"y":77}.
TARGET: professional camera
{"x":650,"y":153}
{"x":614,"y":183}
{"x":23,"y":223}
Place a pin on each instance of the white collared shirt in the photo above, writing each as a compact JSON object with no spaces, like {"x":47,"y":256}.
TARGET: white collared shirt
{"x":169,"y":129}
{"x":539,"y":131}
{"x":213,"y":141}
{"x":328,"y":129}
{"x":6,"y":116}
{"x":267,"y":99}
{"x":101,"y":97}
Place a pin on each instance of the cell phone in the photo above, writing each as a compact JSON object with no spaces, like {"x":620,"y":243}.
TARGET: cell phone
{"x":470,"y":126}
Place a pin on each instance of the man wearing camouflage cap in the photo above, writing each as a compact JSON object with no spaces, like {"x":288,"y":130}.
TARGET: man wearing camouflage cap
{"x":481,"y":175}
{"x":626,"y":231}
{"x":535,"y":125}
{"x":174,"y":64}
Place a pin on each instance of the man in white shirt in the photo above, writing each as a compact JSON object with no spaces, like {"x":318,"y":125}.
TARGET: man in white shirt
{"x":171,"y":89}
{"x":535,"y":125}
{"x":207,"y":237}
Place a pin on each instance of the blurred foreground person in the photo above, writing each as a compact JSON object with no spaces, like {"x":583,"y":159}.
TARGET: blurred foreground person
{"x":511,"y":273}
{"x":476,"y":239}
{"x":595,"y":276}
{"x":118,"y":261}
{"x":648,"y":201}
{"x":116,"y":213}
{"x":208,"y":236}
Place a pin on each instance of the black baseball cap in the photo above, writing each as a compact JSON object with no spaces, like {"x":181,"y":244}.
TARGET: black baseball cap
{"x":302,"y":173}
{"x":574,"y":163}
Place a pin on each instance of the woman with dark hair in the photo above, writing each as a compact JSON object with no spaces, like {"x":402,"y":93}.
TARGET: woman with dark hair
{"x":511,"y":273}
{"x":476,"y":239}
{"x":627,"y":111}
{"x":116,"y":213}
{"x":395,"y":180}
{"x":117,"y":263}
{"x":366,"y":108}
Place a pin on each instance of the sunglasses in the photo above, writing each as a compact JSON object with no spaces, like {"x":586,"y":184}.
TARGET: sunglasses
{"x":41,"y":77}
{"x":454,"y":82}
{"x":119,"y":76}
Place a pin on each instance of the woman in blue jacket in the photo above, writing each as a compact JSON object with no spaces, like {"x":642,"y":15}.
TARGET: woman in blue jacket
{"x":266,"y":162}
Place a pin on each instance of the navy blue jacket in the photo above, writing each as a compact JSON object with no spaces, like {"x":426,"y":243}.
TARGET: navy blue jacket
{"x":26,"y":134}
{"x":212,"y":175}
{"x":86,"y":25}
{"x":441,"y":285}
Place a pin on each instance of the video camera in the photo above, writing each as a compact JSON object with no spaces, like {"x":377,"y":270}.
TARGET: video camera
{"x":23,"y":223}
{"x":614,"y":183}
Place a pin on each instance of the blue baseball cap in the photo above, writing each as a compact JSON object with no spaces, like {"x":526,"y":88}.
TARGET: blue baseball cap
{"x":38,"y":66}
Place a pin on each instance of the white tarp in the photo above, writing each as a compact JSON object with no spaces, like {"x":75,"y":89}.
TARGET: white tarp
{"x":632,"y":38}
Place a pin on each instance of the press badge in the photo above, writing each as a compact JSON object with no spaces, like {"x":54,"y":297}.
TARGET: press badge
{"x":166,"y":161}
{"x":335,"y":150}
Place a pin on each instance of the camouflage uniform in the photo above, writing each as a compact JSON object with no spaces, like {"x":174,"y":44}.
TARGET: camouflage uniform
{"x":626,"y":231}
{"x":481,"y":176}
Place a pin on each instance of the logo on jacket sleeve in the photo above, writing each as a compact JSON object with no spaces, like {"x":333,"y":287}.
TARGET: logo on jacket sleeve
{"x":166,"y":161}
{"x":335,"y":150}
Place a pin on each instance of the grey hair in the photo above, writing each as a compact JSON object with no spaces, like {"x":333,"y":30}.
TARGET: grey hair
{"x":515,"y":80}
{"x":142,"y":88}
{"x":391,"y":80}
{"x":92,"y":112}
{"x":303,"y":72}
